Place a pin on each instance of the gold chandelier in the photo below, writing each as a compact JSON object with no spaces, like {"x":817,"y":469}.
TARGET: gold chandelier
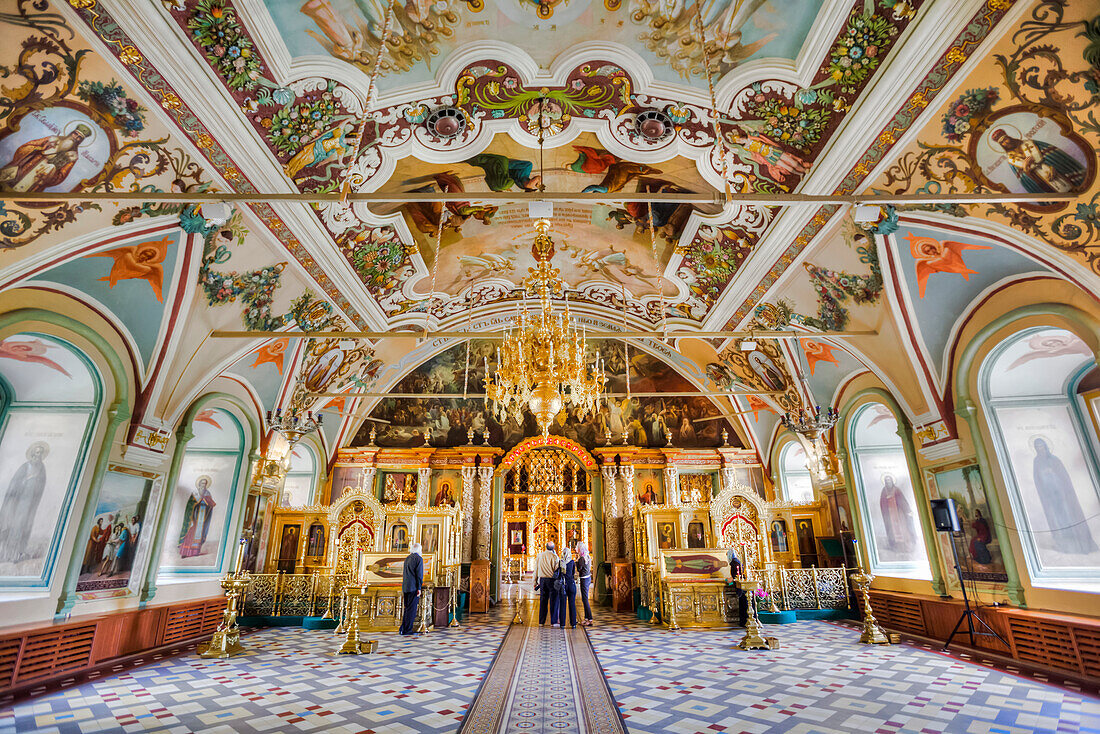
{"x":542,"y":365}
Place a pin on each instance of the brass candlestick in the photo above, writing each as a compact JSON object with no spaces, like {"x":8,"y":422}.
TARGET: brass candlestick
{"x":518,"y":617}
{"x":343,"y":626}
{"x":753,"y":639}
{"x":672,"y":626}
{"x":872,"y":634}
{"x":352,"y":644}
{"x":454,"y":597}
{"x":226,"y":641}
{"x":426,"y":601}
{"x":331,"y":588}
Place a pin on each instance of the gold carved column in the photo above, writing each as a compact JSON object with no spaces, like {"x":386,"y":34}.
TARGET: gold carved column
{"x":469,"y":477}
{"x":611,"y":518}
{"x":626,"y":473}
{"x":484,"y":511}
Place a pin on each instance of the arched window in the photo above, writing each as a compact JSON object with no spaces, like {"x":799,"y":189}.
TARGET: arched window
{"x":301,"y":477}
{"x":1047,"y":450}
{"x":891,"y":520}
{"x":49,"y":397}
{"x":794,"y":474}
{"x":203,"y":500}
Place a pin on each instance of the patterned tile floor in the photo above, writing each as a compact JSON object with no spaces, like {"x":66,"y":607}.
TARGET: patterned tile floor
{"x":551,"y":705}
{"x":290,"y":680}
{"x":819,"y":680}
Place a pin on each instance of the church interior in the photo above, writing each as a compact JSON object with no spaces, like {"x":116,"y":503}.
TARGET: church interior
{"x":780,"y":318}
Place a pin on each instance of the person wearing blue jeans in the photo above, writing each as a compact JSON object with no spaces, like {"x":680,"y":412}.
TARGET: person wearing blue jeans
{"x":569,"y":595}
{"x":546,"y":567}
{"x":584,"y":575}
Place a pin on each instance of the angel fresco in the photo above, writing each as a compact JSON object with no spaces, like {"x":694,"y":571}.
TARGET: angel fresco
{"x":415,"y":30}
{"x":672,"y":31}
{"x":425,"y":215}
{"x":502,"y":172}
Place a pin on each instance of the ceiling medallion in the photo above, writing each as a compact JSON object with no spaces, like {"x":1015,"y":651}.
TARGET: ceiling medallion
{"x":542,"y":365}
{"x":446,"y":123}
{"x":653,"y":125}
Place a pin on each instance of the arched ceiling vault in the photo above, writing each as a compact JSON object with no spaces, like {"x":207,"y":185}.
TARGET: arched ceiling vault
{"x":811,"y":97}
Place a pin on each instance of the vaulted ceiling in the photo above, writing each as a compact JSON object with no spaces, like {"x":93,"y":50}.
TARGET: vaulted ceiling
{"x":323,"y":97}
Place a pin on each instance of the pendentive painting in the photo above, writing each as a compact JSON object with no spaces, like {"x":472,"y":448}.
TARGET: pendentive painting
{"x":110,"y":546}
{"x":690,"y":422}
{"x":979,"y":550}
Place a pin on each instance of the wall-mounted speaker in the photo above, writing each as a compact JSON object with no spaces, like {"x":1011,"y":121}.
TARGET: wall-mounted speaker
{"x":945,"y":516}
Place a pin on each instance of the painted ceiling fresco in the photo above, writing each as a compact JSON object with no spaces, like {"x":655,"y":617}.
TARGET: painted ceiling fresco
{"x":687,"y":421}
{"x":603,"y":251}
{"x":422,"y":35}
{"x":810,"y":96}
{"x":1025,"y":123}
{"x":316,"y":131}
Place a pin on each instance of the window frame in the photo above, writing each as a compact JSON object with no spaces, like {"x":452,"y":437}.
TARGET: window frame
{"x":784,"y":473}
{"x":92,"y":412}
{"x":893,"y":569}
{"x":1088,"y":443}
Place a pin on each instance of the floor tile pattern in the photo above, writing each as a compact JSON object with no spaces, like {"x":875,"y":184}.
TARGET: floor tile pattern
{"x":819,"y":680}
{"x":543,"y":698}
{"x":544,"y":680}
{"x":690,"y":682}
{"x":289,"y":681}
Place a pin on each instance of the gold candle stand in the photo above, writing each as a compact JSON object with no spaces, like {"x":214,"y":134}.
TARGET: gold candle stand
{"x":455,"y":579}
{"x":226,"y":641}
{"x":352,"y":644}
{"x":872,"y":634}
{"x":752,"y":640}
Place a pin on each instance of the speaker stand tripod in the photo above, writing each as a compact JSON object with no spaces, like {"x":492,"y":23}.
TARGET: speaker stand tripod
{"x":970,"y":615}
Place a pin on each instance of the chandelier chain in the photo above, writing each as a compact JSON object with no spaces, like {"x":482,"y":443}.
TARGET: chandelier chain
{"x":372,"y":86}
{"x":719,"y":142}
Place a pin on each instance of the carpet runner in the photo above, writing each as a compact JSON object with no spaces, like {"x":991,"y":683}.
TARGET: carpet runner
{"x":544,"y":680}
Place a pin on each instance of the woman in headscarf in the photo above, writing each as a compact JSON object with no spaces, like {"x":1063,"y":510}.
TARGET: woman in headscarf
{"x":569,"y":572}
{"x":584,"y":573}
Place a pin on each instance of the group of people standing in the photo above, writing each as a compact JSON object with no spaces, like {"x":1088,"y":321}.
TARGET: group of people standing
{"x":111,"y":547}
{"x":557,"y":579}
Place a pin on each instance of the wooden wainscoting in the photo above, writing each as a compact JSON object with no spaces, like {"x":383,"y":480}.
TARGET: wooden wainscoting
{"x":36,"y":655}
{"x":1047,"y":642}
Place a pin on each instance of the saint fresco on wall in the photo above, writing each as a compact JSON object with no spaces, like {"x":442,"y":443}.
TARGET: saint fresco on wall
{"x":979,"y":549}
{"x":200,"y":510}
{"x":1044,"y":447}
{"x":1027,"y":153}
{"x":39,"y":452}
{"x":110,"y":547}
{"x":1055,"y":483}
{"x":891,"y":508}
{"x":690,"y":422}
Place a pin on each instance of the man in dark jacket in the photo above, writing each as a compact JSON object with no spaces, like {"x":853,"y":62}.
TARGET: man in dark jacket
{"x":411,"y":583}
{"x":737,"y":571}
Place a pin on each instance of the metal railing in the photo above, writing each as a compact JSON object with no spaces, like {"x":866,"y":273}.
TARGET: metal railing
{"x":805,"y":588}
{"x":294,"y":594}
